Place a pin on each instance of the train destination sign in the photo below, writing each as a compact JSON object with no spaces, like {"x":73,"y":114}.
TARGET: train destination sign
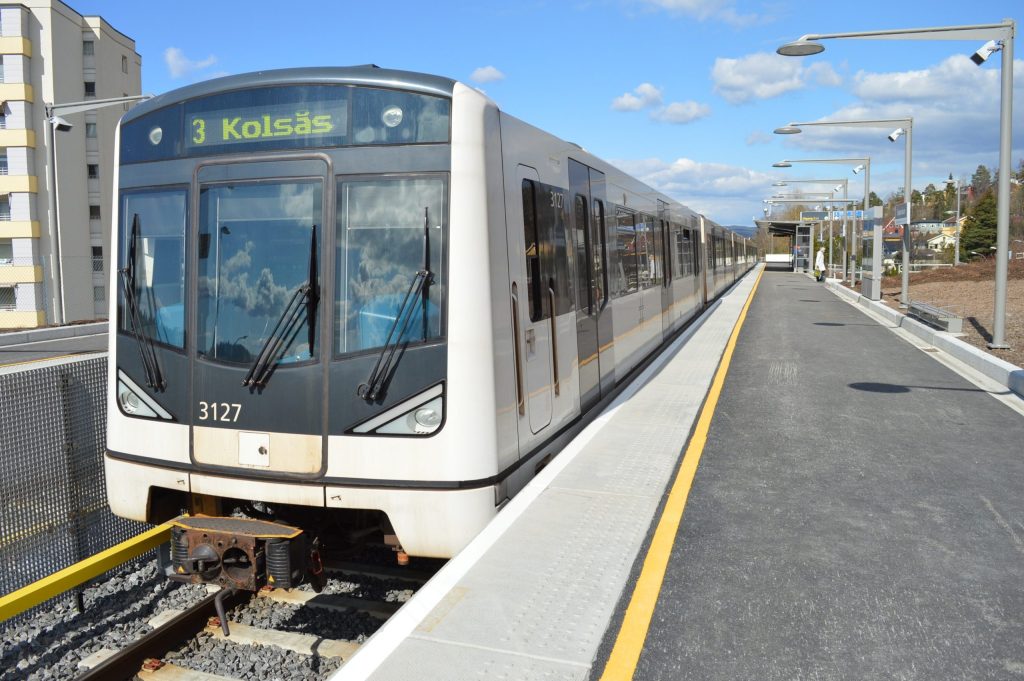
{"x":309,"y":121}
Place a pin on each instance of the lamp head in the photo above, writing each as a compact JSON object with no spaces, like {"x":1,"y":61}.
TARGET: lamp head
{"x":837,"y":187}
{"x":60,"y":124}
{"x":788,"y":130}
{"x":986,"y":51}
{"x":782,"y":164}
{"x":801,"y":48}
{"x":895,"y":134}
{"x":856,"y":171}
{"x":779,"y":184}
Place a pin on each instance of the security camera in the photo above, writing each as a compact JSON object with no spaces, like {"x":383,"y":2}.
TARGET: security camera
{"x":895,"y":134}
{"x":985,"y":51}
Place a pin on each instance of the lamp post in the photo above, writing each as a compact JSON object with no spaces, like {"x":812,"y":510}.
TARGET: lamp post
{"x":52,"y":123}
{"x":865,"y":165}
{"x":906,"y":128}
{"x":1000,"y":37}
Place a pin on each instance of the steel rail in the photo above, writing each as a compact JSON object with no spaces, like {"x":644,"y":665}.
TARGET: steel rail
{"x":127,"y":662}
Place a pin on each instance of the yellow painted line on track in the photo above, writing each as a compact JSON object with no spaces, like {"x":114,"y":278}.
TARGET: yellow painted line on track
{"x":629,"y":644}
{"x":28,"y":596}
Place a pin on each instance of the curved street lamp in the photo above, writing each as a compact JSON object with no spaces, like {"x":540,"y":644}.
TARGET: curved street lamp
{"x":999,"y":37}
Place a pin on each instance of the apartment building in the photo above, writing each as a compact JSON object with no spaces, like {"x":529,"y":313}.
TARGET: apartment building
{"x":54,"y":270}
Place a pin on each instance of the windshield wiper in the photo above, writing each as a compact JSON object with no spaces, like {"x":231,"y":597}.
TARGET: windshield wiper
{"x":147,"y":351}
{"x":418,"y":289}
{"x":306,"y":296}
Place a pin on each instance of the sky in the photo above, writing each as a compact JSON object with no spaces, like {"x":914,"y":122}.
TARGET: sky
{"x":683,"y":94}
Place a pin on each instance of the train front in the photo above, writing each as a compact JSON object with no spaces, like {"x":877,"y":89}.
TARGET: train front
{"x":280,"y":339}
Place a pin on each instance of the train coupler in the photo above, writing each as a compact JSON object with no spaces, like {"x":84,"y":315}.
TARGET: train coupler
{"x":237,"y":553}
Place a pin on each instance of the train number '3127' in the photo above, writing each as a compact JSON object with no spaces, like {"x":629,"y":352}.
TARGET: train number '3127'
{"x":219,"y":411}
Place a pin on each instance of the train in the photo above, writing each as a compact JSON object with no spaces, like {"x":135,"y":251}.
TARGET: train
{"x":359,"y":302}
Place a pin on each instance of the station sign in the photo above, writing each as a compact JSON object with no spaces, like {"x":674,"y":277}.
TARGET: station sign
{"x":816,"y":215}
{"x":901,"y":214}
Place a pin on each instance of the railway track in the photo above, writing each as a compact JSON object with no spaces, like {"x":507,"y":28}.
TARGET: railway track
{"x":296,"y":634}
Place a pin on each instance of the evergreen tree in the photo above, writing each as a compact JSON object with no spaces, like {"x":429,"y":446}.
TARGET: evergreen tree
{"x":979,"y":233}
{"x":981,"y":180}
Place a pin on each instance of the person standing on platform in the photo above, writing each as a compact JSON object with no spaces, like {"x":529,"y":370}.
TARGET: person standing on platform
{"x":819,"y":263}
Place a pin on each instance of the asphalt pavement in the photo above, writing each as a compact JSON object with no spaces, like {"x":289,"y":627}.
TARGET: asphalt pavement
{"x":856,"y":513}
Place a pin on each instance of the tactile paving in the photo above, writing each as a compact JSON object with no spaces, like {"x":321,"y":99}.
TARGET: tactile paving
{"x":537,"y":604}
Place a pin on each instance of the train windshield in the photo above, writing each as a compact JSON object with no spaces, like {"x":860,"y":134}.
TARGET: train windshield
{"x":257,"y":248}
{"x":156,"y":222}
{"x":388,"y":230}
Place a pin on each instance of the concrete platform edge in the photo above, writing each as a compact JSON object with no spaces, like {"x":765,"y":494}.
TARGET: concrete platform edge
{"x":1001,"y":371}
{"x":55,"y":333}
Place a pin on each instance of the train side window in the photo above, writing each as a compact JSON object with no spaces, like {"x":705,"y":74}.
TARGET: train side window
{"x":658,"y":251}
{"x":584,"y":254}
{"x":599,"y":272}
{"x":645,"y":269}
{"x":695,"y":249}
{"x":625,"y":230}
{"x":533,"y":275}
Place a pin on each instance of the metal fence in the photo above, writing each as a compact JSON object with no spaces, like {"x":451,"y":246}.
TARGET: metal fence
{"x":53,"y":506}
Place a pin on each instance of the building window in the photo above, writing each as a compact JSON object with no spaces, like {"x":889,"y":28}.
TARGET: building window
{"x":94,"y":212}
{"x":90,"y":130}
{"x":94,"y":170}
{"x":5,"y":208}
{"x":3,"y":120}
{"x":124,"y":64}
{"x":97,"y":259}
{"x":3,"y":162}
{"x":88,"y":48}
{"x":1,"y":69}
{"x":8,"y":300}
{"x":6,"y":252}
{"x":90,"y":88}
{"x":97,"y":294}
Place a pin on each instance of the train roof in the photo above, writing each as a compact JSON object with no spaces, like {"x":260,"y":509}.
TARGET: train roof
{"x":368,"y":75}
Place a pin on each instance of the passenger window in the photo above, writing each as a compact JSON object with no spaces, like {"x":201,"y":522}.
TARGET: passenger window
{"x":626,"y":245}
{"x":534,"y":298}
{"x":644,"y":251}
{"x":599,"y":273}
{"x":584,"y":259}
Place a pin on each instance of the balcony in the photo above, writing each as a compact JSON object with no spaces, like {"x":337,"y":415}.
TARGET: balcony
{"x":20,"y":271}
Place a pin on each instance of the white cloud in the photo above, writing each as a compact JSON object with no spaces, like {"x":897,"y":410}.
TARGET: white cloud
{"x":646,"y":95}
{"x":758,"y":137}
{"x":681,"y":112}
{"x":763,"y":75}
{"x":702,"y":10}
{"x":727,"y":194}
{"x":486,"y":74}
{"x":179,"y":65}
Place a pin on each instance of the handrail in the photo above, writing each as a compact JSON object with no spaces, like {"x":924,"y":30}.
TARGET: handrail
{"x":520,"y":396}
{"x":554,"y":339}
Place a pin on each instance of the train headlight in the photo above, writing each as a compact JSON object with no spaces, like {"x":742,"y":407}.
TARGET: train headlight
{"x":392,"y":116}
{"x":135,"y":402}
{"x":420,"y":415}
{"x":427,"y":418}
{"x":156,"y":135}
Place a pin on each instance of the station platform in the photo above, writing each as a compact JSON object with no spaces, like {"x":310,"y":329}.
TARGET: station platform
{"x":854,"y":514}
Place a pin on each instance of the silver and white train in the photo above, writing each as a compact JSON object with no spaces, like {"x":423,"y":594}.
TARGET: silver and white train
{"x":358,"y":300}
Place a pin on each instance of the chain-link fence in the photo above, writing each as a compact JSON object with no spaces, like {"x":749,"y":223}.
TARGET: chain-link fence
{"x":53,"y":505}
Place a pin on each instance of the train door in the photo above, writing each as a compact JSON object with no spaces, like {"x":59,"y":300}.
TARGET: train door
{"x":590,"y":276}
{"x":532,"y":309}
{"x":256,"y":352}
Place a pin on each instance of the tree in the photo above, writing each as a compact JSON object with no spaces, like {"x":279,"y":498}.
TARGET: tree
{"x":981,"y":180}
{"x":873,"y":199}
{"x":979,"y":232}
